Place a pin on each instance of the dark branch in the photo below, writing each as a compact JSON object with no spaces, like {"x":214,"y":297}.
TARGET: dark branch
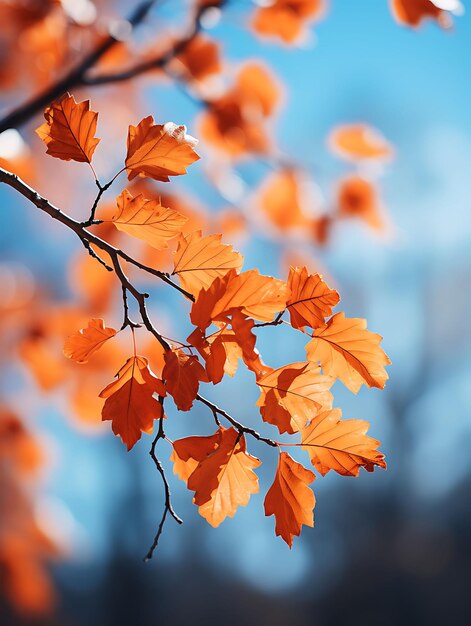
{"x":168,"y":504}
{"x":74,"y":78}
{"x":237,"y":425}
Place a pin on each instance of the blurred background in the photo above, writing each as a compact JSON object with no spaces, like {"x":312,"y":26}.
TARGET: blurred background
{"x":391,"y":547}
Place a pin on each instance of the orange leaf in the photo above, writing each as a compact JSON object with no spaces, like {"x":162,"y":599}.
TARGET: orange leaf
{"x":159,"y":150}
{"x":83,"y":343}
{"x":200,"y":260}
{"x":290,"y":499}
{"x":182,"y":375}
{"x":413,"y":12}
{"x":292,"y":395}
{"x":69,"y":130}
{"x":358,"y":197}
{"x":242,"y":327}
{"x":311,"y":300}
{"x":234,"y":122}
{"x":200,"y":57}
{"x":284,"y":189}
{"x":189,"y":452}
{"x":147,"y":219}
{"x":347,"y":350}
{"x":341,"y":445}
{"x":225,"y":479}
{"x":255,"y":295}
{"x":129,"y":401}
{"x":359,"y":141}
{"x":286,"y":18}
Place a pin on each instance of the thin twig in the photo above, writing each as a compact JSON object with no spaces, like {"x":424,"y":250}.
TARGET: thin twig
{"x":42,"y":203}
{"x":237,"y":425}
{"x":168,"y":503}
{"x":276,"y":322}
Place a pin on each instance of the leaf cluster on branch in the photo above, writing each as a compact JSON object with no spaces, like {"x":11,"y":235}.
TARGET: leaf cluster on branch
{"x":228,"y":306}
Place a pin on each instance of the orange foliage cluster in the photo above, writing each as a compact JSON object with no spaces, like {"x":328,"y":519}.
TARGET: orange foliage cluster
{"x":46,"y":38}
{"x":25,"y":546}
{"x":228,"y":306}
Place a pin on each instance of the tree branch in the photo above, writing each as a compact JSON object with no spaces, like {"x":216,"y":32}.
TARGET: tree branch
{"x":168,"y":504}
{"x":74,"y":78}
{"x":240,"y":427}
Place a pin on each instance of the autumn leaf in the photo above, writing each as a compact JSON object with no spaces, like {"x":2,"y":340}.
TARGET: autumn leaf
{"x":292,"y":395}
{"x":341,"y":445}
{"x":200,"y":57}
{"x":82,"y":344}
{"x":234,"y":123}
{"x":358,"y":197}
{"x":255,"y":295}
{"x":69,"y":130}
{"x":129,"y":401}
{"x":281,"y":189}
{"x":182,"y":375}
{"x":243,"y":334}
{"x":290,"y":499}
{"x":346,"y":350}
{"x":147,"y":220}
{"x":187,"y":453}
{"x":359,"y":141}
{"x":224,"y":479}
{"x":413,"y":12}
{"x":286,"y":19}
{"x":159,"y":150}
{"x":311,"y":300}
{"x":200,"y":260}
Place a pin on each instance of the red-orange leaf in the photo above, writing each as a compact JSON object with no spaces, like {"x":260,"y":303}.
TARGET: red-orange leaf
{"x":225,"y":479}
{"x":82,"y":344}
{"x":358,"y":197}
{"x":347,"y":350}
{"x":147,"y":219}
{"x":292,"y":395}
{"x":341,"y":445}
{"x":413,"y":12}
{"x":311,"y":300}
{"x":187,"y":453}
{"x":290,"y":499}
{"x":359,"y":141}
{"x":69,"y":130}
{"x":182,"y":375}
{"x":129,"y":401}
{"x":200,"y":260}
{"x":159,"y":150}
{"x":255,"y":295}
{"x":286,"y":19}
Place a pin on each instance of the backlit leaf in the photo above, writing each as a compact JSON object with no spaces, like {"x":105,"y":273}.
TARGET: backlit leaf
{"x":346,"y":350}
{"x":290,"y":499}
{"x":147,"y":220}
{"x":200,"y":260}
{"x":69,"y":130}
{"x":159,"y":150}
{"x":341,"y":445}
{"x":82,"y":344}
{"x":311,"y":300}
